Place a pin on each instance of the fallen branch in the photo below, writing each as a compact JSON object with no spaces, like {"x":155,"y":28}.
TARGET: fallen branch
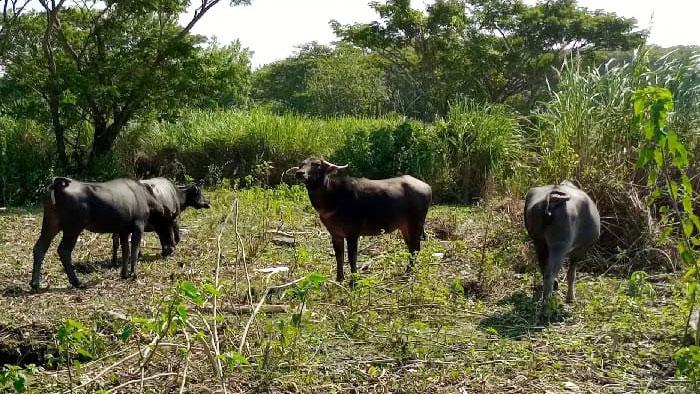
{"x":240,"y":309}
{"x":160,"y":375}
{"x":250,"y":321}
{"x":104,"y":371}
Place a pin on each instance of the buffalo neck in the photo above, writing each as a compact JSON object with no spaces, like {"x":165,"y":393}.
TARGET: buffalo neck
{"x":324,"y":197}
{"x":182,"y":198}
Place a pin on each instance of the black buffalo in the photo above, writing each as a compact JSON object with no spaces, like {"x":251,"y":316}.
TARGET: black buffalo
{"x":121,"y":206}
{"x":174,"y":199}
{"x":351,"y":207}
{"x":562,"y":220}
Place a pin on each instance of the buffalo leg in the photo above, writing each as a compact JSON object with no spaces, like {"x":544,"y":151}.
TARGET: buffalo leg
{"x":136,"y":236}
{"x":412,"y":238}
{"x":167,"y":240}
{"x":338,"y":248}
{"x":124,"y":240}
{"x":49,"y":229}
{"x":352,"y":253}
{"x":65,"y":249}
{"x":554,"y":261}
{"x":542,"y":253}
{"x":176,"y":232}
{"x":571,"y":281}
{"x":115,"y":247}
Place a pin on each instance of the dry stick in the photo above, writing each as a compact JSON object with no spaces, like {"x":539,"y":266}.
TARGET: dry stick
{"x":207,"y":346}
{"x":241,"y":251}
{"x":160,"y":375}
{"x":260,"y":304}
{"x":187,"y":362}
{"x":104,"y":371}
{"x":215,"y":332}
{"x":252,"y":317}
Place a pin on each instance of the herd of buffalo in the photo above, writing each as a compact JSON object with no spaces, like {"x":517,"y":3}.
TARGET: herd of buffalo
{"x":561,"y":219}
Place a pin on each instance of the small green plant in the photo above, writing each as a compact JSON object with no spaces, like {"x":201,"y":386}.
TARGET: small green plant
{"x":638,"y":286}
{"x":688,"y":364}
{"x":665,"y":158}
{"x":301,"y":293}
{"x":16,"y":377}
{"x":75,"y":341}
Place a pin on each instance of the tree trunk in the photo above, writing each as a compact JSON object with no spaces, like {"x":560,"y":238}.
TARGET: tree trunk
{"x":59,"y":132}
{"x":102,"y":142}
{"x":105,"y":136}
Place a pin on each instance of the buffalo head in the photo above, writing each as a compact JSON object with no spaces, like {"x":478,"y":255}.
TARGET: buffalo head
{"x":313,"y":171}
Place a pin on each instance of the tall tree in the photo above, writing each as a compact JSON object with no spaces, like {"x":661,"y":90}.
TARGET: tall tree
{"x":105,"y":62}
{"x":490,"y":50}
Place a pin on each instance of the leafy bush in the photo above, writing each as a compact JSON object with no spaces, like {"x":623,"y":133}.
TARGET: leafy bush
{"x":26,"y":161}
{"x":405,"y":148}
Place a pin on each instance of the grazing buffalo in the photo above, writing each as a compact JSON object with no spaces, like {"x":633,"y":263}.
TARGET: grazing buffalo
{"x":562,"y":221}
{"x":121,"y":206}
{"x":350,"y":207}
{"x":175,"y":200}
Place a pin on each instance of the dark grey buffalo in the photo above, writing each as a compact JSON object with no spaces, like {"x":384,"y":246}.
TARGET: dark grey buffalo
{"x":562,"y":221}
{"x":351,"y":207}
{"x":175,"y":200}
{"x":121,"y":206}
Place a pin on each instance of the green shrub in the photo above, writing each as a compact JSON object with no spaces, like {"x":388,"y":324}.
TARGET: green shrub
{"x":26,"y":161}
{"x":392,"y":150}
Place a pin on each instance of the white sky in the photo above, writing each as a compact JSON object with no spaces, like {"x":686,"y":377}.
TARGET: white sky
{"x":273,"y":28}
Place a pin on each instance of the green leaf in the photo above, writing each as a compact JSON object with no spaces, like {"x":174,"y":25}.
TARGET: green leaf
{"x":188,"y":290}
{"x":659,"y":158}
{"x":674,"y":190}
{"x":19,"y":383}
{"x":126,"y":333}
{"x":233,"y":359}
{"x":182,"y":312}
{"x":315,"y":279}
{"x":83,"y":352}
{"x":211,"y":289}
{"x":687,"y":203}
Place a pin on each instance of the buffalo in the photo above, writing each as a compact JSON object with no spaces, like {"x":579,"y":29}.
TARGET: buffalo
{"x":350,"y":207}
{"x":562,"y":221}
{"x":121,"y":206}
{"x":175,"y":200}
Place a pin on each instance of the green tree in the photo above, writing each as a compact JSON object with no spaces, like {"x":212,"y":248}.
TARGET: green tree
{"x":105,"y":63}
{"x":217,"y":77}
{"x":325,"y":81}
{"x":488,"y":50}
{"x":282,"y":83}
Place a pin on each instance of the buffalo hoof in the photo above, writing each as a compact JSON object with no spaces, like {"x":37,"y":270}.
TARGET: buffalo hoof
{"x":34,"y":287}
{"x":167,"y":251}
{"x":78,"y":285}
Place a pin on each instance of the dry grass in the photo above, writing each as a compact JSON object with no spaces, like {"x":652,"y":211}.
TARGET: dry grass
{"x":391,"y":333}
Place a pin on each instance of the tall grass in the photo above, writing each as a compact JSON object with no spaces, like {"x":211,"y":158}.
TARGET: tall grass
{"x":479,"y":143}
{"x":232,"y":144}
{"x":588,"y":132}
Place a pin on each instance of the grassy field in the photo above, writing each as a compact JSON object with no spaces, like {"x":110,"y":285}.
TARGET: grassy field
{"x":462,"y":322}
